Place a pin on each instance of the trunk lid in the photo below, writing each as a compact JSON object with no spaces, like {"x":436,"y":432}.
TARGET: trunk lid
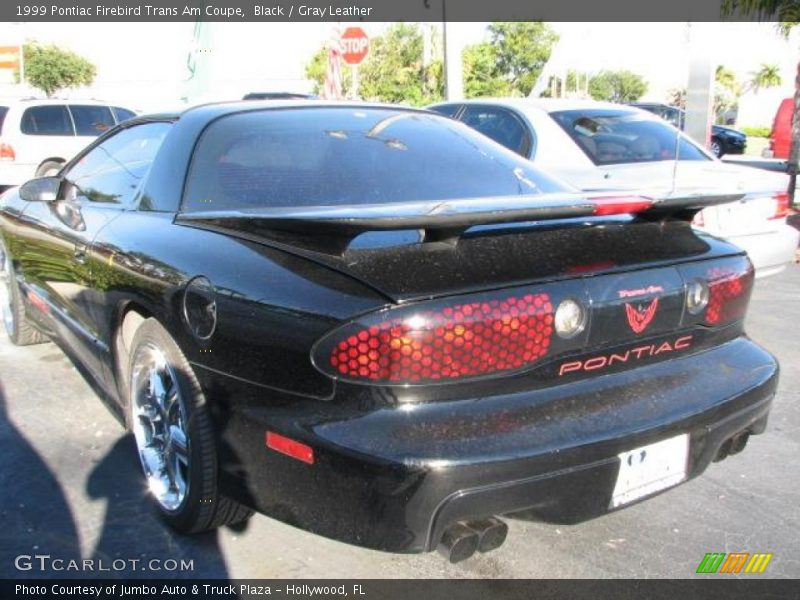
{"x":416,"y":251}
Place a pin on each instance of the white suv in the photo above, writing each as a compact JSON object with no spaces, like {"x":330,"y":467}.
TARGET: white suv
{"x":38,"y":136}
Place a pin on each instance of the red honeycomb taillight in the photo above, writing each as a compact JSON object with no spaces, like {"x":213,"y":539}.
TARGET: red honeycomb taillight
{"x":729,"y":293}
{"x":443,"y":343}
{"x":718,"y":291}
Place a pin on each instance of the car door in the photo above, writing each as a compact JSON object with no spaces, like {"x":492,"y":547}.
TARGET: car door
{"x":97,"y":187}
{"x":501,"y":125}
{"x":91,"y":120}
{"x":46,"y":132}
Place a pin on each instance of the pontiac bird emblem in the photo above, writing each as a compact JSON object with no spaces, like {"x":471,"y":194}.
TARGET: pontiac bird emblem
{"x":639,"y":318}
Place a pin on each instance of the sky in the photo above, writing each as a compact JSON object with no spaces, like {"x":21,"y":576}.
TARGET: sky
{"x":143,"y":65}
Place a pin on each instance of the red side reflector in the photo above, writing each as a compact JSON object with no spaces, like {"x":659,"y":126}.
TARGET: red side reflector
{"x":38,"y":302}
{"x":620,"y":205}
{"x":290,"y":447}
{"x":781,"y":206}
{"x":7,"y":152}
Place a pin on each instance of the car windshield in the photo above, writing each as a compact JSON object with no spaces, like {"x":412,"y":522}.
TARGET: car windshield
{"x":611,"y":137}
{"x":335,"y":156}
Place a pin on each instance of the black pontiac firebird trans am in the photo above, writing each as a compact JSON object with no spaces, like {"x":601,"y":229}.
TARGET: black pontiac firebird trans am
{"x":375,"y":324}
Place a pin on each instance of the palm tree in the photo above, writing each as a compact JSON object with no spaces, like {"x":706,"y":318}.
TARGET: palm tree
{"x":766,"y":77}
{"x":787,"y":13}
{"x":727,"y":79}
{"x":727,"y":90}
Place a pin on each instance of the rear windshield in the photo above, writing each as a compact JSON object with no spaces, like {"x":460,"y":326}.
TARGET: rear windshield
{"x":343,"y":156}
{"x":611,"y":137}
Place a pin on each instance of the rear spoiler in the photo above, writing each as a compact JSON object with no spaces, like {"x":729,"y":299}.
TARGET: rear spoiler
{"x":331,"y":229}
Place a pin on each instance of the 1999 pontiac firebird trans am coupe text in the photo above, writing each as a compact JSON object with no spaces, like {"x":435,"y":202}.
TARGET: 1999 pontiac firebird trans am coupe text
{"x":375,"y":324}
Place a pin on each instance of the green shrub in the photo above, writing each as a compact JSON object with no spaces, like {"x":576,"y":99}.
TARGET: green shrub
{"x":761,"y":132}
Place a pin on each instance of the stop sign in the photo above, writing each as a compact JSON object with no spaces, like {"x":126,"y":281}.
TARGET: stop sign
{"x":355,"y":45}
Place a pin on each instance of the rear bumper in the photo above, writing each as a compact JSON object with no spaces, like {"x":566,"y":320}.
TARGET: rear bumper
{"x":769,"y":252}
{"x":395,"y":477}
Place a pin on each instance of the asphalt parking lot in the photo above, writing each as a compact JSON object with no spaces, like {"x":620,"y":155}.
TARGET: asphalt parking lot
{"x":70,"y":488}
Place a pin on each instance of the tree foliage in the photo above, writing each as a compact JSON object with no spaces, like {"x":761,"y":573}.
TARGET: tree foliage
{"x":617,"y":86}
{"x":785,"y":12}
{"x":393,"y":71}
{"x":50,"y":68}
{"x":508,"y":64}
{"x":726,"y":79}
{"x":727,"y":91}
{"x":481,"y":76}
{"x":766,"y":76}
{"x":522,"y":50}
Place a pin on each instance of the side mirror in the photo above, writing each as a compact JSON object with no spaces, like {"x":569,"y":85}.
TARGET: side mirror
{"x":41,"y":189}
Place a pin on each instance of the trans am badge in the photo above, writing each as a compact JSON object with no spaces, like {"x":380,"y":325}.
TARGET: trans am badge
{"x":639,"y":317}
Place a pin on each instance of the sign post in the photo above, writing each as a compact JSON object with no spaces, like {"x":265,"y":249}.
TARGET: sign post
{"x":355,"y":48}
{"x":11,"y":59}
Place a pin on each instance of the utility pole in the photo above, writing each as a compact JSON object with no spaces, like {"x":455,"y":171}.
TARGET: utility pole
{"x":794,"y":151}
{"x":453,"y":69}
{"x":699,"y":93}
{"x":198,"y":63}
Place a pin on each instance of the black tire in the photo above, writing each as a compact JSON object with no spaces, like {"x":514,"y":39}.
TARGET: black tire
{"x":20,"y":330}
{"x":717,"y":147}
{"x":203,"y":507}
{"x":49,"y":167}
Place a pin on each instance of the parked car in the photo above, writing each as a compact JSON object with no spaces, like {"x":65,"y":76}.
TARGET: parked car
{"x":376,"y":324}
{"x":780,"y":138}
{"x":724,"y":140}
{"x":601,"y":146}
{"x":37,"y":137}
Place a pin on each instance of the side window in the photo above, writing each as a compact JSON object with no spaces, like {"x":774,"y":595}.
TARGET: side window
{"x":123,"y":114}
{"x":91,"y":120}
{"x":448,"y":110}
{"x":112,"y":172}
{"x":51,"y":119}
{"x":499,"y":125}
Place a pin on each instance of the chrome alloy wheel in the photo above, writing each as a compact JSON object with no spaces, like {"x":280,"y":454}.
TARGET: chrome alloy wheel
{"x":159,"y":425}
{"x":5,"y":274}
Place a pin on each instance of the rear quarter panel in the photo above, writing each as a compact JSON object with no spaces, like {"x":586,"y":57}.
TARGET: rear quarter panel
{"x":271,"y":306}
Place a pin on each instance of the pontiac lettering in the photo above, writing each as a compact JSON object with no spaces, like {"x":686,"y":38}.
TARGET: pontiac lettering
{"x":606,"y":360}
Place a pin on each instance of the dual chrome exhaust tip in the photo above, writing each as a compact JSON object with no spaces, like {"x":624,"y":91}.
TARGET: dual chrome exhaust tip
{"x":462,"y":539}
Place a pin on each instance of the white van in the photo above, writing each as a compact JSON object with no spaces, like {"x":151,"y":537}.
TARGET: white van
{"x":38,"y":136}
